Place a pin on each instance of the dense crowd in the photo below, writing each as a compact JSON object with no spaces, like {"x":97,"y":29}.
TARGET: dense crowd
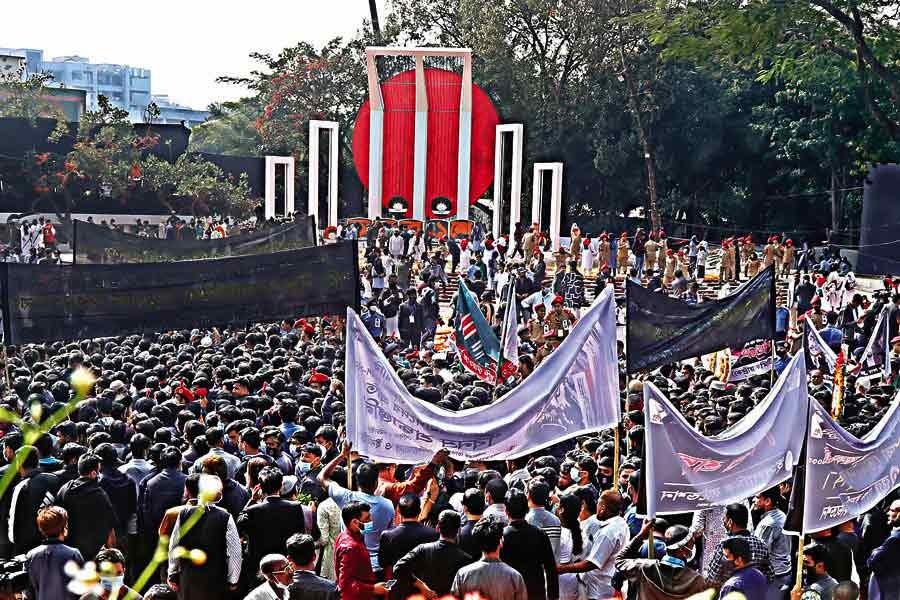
{"x":226,"y":448}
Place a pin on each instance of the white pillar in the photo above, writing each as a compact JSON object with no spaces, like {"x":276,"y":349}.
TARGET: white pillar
{"x":420,"y":150}
{"x":271,"y":164}
{"x":464,"y":168}
{"x":515,"y":189}
{"x":313,"y":207}
{"x":556,"y":172}
{"x":376,"y":136}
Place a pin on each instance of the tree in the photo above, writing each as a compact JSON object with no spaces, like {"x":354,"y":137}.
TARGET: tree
{"x":230,"y":129}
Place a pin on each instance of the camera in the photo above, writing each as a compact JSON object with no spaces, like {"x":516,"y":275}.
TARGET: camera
{"x":13,"y":575}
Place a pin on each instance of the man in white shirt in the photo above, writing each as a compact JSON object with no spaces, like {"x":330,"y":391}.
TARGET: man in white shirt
{"x":604,"y":536}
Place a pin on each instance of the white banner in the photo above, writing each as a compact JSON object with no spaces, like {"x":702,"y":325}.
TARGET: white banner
{"x":847,"y":476}
{"x":687,"y":471}
{"x":573,"y":392}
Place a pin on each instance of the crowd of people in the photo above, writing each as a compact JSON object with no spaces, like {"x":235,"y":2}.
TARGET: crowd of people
{"x":226,"y":449}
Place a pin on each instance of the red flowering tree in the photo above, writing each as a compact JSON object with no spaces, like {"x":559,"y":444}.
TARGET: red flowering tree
{"x":302,"y":83}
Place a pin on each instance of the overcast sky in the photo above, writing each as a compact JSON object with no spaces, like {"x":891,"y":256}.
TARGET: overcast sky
{"x":186,"y":43}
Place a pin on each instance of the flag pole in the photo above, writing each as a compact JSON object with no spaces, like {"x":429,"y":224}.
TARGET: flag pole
{"x":798,"y":583}
{"x":616,"y":457}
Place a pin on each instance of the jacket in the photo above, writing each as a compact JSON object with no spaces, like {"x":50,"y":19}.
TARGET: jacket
{"x":883,"y":566}
{"x":309,"y":586}
{"x":122,"y":494}
{"x":91,"y":515}
{"x":352,"y":567}
{"x":234,"y":498}
{"x":395,"y":543}
{"x":267,"y":525}
{"x":436,"y":564}
{"x":159,"y":493}
{"x":46,"y":569}
{"x":657,"y":580}
{"x":34,"y":491}
{"x":527,"y":549}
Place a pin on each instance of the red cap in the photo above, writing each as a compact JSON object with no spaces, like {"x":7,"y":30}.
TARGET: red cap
{"x":317,"y":377}
{"x":557,"y":299}
{"x":184,"y":392}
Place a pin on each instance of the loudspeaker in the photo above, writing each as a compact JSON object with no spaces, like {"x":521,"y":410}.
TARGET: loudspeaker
{"x":879,"y":238}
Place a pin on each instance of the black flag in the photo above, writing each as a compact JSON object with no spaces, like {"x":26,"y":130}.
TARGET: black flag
{"x":661,"y":330}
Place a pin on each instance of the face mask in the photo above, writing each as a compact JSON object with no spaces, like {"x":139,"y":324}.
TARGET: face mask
{"x":304,"y":466}
{"x":323,"y":449}
{"x":111,"y":583}
{"x":575,"y":474}
{"x":368,"y":527}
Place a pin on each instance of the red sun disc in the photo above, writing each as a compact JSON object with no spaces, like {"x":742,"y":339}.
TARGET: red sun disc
{"x":399,"y":94}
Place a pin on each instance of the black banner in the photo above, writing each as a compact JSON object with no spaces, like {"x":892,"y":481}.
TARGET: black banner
{"x":660,"y":330}
{"x":52,"y":302}
{"x":95,"y":244}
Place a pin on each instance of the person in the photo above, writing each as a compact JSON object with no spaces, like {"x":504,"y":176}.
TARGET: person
{"x":328,"y":521}
{"x":111,"y":566}
{"x":432,"y":567}
{"x":157,"y":493}
{"x":394,"y":543}
{"x":160,"y":591}
{"x":304,"y":583}
{"x":666,"y":577}
{"x":489,"y":576}
{"x":735,"y":519}
{"x":745,"y":578}
{"x":120,"y":490}
{"x":840,"y":558}
{"x":539,"y":516}
{"x":604,"y":535}
{"x":34,"y":490}
{"x":275,"y":576}
{"x":215,"y":534}
{"x":215,"y":437}
{"x":473,"y":509}
{"x":352,"y":564}
{"x":268,"y":524}
{"x":882,"y":563}
{"x":818,"y":584}
{"x":46,"y":563}
{"x":770,"y":530}
{"x":528,"y":550}
{"x":379,"y":511}
{"x":411,"y":319}
{"x":91,"y":514}
{"x":309,"y":465}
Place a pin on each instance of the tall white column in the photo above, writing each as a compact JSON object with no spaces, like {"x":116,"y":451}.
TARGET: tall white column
{"x":376,"y":136}
{"x":515,"y":188}
{"x":420,"y":150}
{"x":464,"y":168}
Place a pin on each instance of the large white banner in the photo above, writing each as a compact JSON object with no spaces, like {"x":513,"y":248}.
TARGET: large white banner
{"x":687,"y":471}
{"x":847,"y":476}
{"x":572,"y":392}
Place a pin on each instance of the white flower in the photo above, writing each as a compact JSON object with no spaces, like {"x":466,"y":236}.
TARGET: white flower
{"x":83,"y":580}
{"x":82,"y":380}
{"x":210,"y":489}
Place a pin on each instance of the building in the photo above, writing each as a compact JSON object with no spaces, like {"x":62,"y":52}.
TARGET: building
{"x":128,"y":88}
{"x":12,"y":61}
{"x":172,"y":113}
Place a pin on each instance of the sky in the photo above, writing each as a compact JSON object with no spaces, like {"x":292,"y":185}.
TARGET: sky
{"x":186,"y":43}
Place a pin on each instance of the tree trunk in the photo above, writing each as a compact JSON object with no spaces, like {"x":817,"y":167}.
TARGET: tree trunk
{"x":644,"y":137}
{"x":836,"y":200}
{"x":376,"y":26}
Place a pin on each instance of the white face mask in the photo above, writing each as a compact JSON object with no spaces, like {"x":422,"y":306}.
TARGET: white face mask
{"x":112,"y":583}
{"x":575,"y":474}
{"x":304,"y":466}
